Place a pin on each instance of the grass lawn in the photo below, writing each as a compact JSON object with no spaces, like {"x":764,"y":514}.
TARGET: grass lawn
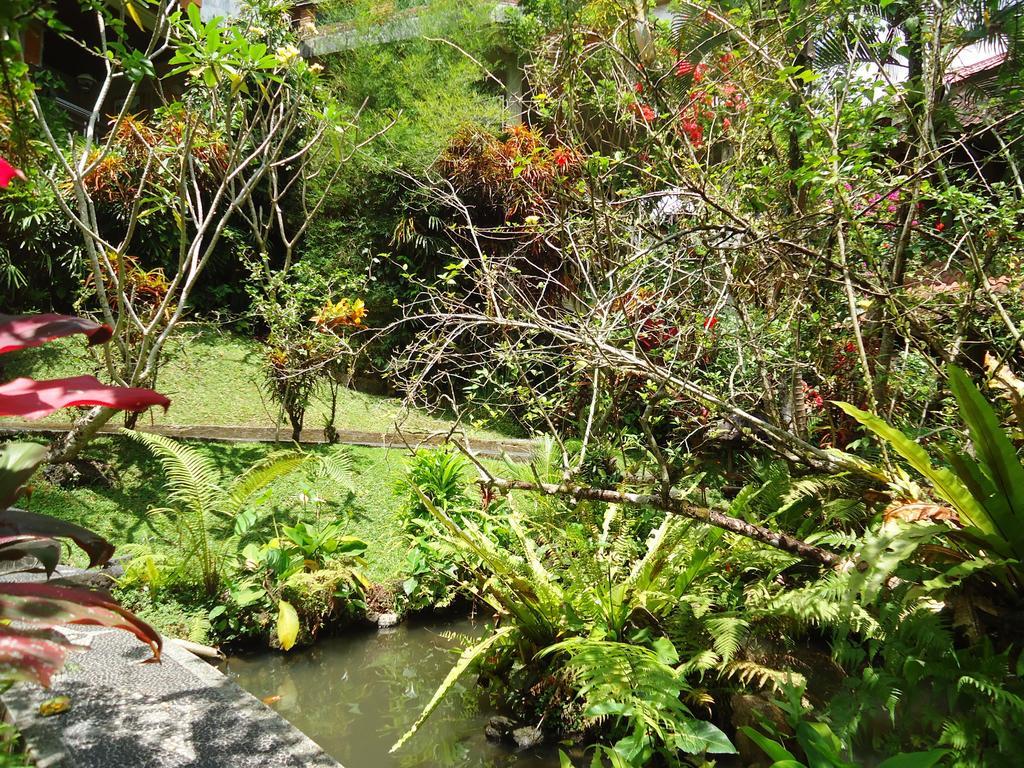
{"x":120,"y":513}
{"x":214,"y":377}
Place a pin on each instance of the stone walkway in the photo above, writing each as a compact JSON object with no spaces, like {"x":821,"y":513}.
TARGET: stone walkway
{"x":179,"y":713}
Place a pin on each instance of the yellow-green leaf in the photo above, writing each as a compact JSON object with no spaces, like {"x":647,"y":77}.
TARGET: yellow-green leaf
{"x":287,"y":624}
{"x":134,"y":13}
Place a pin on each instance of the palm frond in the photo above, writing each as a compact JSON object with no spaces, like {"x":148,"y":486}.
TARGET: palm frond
{"x":469,"y":655}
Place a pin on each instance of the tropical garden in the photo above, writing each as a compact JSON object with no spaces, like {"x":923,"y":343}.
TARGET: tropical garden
{"x":679,"y":345}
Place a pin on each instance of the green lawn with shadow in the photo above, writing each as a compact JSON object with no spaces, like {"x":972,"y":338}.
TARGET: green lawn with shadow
{"x":214,"y":377}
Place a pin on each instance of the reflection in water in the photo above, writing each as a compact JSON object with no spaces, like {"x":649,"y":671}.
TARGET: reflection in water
{"x":355,"y":695}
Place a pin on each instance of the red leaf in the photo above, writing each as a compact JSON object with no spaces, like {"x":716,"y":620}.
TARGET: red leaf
{"x":30,"y":658}
{"x":8,"y":172}
{"x":46,"y":551}
{"x":35,"y":399}
{"x":47,"y":605}
{"x":18,"y":522}
{"x":21,"y":331}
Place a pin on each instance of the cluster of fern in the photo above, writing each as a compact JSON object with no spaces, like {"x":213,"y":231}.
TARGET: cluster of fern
{"x":654,"y":639}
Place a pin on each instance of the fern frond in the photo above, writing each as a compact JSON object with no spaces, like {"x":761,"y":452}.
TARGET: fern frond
{"x":193,"y":479}
{"x":727,"y":633}
{"x":749,"y":673}
{"x":469,"y":655}
{"x":262,"y":474}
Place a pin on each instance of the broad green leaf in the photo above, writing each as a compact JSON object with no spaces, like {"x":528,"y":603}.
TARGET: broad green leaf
{"x":772,"y":748}
{"x":18,"y":461}
{"x":714,"y":740}
{"x":914,"y":759}
{"x":287,"y":624}
{"x":997,"y":456}
{"x":821,"y":746}
{"x":465,"y":660}
{"x":946,"y":484}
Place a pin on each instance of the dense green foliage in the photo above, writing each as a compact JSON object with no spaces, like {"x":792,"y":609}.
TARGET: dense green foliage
{"x":724,"y":248}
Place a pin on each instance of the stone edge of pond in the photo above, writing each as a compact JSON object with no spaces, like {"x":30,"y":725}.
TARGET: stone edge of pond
{"x":165,"y":722}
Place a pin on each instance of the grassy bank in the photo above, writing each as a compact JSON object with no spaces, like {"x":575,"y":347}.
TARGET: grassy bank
{"x":214,"y":377}
{"x":120,"y":511}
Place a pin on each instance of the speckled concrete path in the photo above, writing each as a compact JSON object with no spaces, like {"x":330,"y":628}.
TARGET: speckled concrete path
{"x":127,"y":714}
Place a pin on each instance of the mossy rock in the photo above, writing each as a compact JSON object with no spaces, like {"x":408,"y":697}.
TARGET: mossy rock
{"x":323,"y":597}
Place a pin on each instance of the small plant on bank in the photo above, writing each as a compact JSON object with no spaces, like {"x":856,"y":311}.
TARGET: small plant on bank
{"x":210,"y":512}
{"x":435,"y":569}
{"x":312,"y":573}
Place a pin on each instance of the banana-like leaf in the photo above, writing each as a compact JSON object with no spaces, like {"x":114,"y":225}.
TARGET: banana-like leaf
{"x":18,"y":461}
{"x":468,"y":656}
{"x":287,"y":625}
{"x":946,"y":483}
{"x":47,"y":605}
{"x":23,"y":331}
{"x":914,"y":759}
{"x":36,"y":399}
{"x":772,"y":748}
{"x":18,"y":522}
{"x":997,"y":456}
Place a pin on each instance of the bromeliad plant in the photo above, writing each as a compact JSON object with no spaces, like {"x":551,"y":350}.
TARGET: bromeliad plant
{"x":29,"y":648}
{"x":984,"y":487}
{"x":308,"y":572}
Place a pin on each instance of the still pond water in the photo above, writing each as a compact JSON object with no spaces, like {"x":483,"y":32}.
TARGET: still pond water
{"x":355,"y":695}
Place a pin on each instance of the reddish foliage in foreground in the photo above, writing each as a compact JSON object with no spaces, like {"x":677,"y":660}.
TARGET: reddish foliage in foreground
{"x":29,"y":649}
{"x":24,"y":331}
{"x":36,"y":399}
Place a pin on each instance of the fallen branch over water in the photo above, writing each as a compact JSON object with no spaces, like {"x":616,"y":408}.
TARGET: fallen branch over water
{"x":675,"y":506}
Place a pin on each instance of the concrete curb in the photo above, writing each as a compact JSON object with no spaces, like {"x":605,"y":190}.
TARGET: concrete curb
{"x":512,"y":447}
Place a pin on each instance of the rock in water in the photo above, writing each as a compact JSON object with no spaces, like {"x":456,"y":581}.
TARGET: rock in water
{"x":527,"y":737}
{"x":385,"y":620}
{"x":499,"y":728}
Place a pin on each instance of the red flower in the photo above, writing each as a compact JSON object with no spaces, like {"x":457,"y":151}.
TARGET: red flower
{"x":562,"y":158}
{"x":693,"y":131}
{"x":710,"y":323}
{"x":644,"y":111}
{"x":939,"y":227}
{"x":8,"y":172}
{"x":638,"y":87}
{"x":684,"y":68}
{"x":814,"y":399}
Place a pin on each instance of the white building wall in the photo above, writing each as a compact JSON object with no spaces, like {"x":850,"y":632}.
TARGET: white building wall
{"x":211,"y":8}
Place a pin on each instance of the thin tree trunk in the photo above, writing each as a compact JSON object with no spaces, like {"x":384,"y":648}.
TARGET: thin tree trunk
{"x":675,"y":506}
{"x":70,"y":445}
